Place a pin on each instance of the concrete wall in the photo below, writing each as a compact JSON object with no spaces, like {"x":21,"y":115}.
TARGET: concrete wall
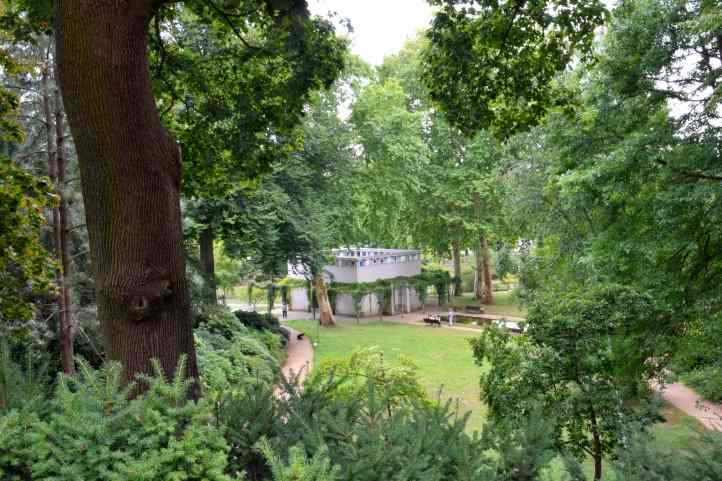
{"x":299,"y":299}
{"x":367,"y":273}
{"x":344,"y":305}
{"x":405,"y":299}
{"x":340,"y":274}
{"x":369,"y":304}
{"x":375,"y":272}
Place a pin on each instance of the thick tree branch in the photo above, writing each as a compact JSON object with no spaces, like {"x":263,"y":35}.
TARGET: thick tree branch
{"x":230,"y":23}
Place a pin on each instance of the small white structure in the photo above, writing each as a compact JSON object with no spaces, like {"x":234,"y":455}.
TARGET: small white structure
{"x":363,"y":264}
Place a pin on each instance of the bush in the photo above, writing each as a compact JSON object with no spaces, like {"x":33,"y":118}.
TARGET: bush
{"x":697,"y":357}
{"x":218,"y":320}
{"x":94,"y":432}
{"x":231,"y":356}
{"x":258,"y":321}
{"x":699,"y":460}
{"x":394,"y":381}
{"x":247,"y":419}
{"x":26,"y":385}
{"x":16,"y":446}
{"x":300,"y":467}
{"x":372,"y":438}
{"x":229,"y":367}
{"x":707,"y":381}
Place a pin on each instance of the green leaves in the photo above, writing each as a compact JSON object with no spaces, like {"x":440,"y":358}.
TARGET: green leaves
{"x":299,"y":468}
{"x":234,"y":85}
{"x":492,"y":65}
{"x":94,"y":431}
{"x":26,"y":269}
{"x":25,"y":266}
{"x":584,"y":361}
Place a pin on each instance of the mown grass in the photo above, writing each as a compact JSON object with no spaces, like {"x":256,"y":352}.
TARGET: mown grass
{"x":443,"y":356}
{"x":505,"y":304}
{"x":445,"y":364}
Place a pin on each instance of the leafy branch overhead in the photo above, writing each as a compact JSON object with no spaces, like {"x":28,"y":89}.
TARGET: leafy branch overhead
{"x":492,"y":65}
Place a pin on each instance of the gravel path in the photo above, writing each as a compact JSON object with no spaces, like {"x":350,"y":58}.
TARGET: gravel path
{"x":300,"y":360}
{"x":686,"y":400}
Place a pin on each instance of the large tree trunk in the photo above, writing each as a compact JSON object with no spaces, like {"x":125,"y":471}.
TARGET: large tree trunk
{"x":208,"y":263}
{"x":130,"y":173}
{"x":59,"y":225}
{"x":456,"y":255}
{"x":486,"y":267}
{"x":325,"y":316}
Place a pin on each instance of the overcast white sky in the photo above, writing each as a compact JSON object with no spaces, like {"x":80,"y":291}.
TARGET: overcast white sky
{"x":380,"y":26}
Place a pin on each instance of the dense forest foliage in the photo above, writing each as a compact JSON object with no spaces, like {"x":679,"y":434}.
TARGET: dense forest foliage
{"x":154,"y":154}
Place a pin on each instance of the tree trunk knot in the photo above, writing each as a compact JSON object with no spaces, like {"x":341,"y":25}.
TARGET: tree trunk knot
{"x":146,"y":299}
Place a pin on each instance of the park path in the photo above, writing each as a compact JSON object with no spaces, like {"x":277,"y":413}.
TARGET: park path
{"x":708,"y":414}
{"x":300,"y":360}
{"x":299,"y":357}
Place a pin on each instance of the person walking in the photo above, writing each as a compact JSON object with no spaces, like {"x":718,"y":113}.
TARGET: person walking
{"x":451,"y":317}
{"x":284,"y":310}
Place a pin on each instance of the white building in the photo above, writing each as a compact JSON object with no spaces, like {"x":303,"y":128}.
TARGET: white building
{"x":361,"y":265}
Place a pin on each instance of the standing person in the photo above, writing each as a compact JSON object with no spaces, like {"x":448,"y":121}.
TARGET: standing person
{"x":284,"y":310}
{"x":451,"y":317}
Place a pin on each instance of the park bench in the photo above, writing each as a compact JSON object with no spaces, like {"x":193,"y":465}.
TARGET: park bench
{"x":471,"y":308}
{"x":432,"y":321}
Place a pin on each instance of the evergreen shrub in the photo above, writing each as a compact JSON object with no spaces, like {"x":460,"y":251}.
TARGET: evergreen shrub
{"x":94,"y":431}
{"x":230,"y":367}
{"x":258,"y":321}
{"x":707,"y":381}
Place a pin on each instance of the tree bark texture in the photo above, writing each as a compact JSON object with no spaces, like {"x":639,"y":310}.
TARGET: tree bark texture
{"x":208,"y":263}
{"x":325,"y":314}
{"x":130,"y":174}
{"x":67,"y":328}
{"x":478,"y":268}
{"x":596,"y":444}
{"x":486,"y":267}
{"x":456,"y":255}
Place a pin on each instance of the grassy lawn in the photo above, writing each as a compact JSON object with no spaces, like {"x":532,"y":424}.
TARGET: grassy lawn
{"x":444,"y":360}
{"x":504,"y":304}
{"x":674,"y":434}
{"x":443,"y":356}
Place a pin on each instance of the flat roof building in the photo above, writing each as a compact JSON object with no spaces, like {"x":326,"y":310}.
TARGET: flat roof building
{"x":366,"y":264}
